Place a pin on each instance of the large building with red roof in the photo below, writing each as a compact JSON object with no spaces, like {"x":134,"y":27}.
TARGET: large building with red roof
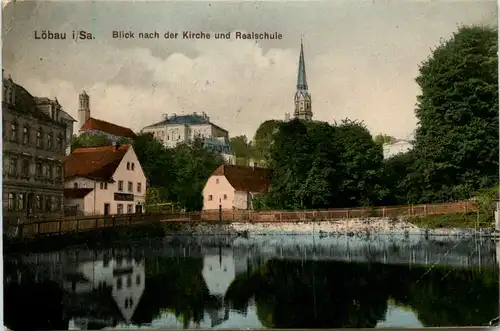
{"x":104,"y":181}
{"x":92,"y":125}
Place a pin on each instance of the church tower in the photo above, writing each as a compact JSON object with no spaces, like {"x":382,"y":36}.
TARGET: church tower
{"x":84,"y":109}
{"x":302,"y":97}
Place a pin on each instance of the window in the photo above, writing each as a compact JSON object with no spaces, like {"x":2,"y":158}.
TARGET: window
{"x":129,"y":281}
{"x":48,"y":171}
{"x":130,"y":187}
{"x":38,"y":170}
{"x":38,"y":201}
{"x":120,"y":185}
{"x":130,"y":209}
{"x":119,"y":283}
{"x":101,"y":186}
{"x":13,"y":166}
{"x":26,"y":167}
{"x":128,"y":165}
{"x":47,"y":204}
{"x":225,"y":196}
{"x":138,"y":280}
{"x":104,"y":186}
{"x":75,"y":185}
{"x":12,"y":201}
{"x":20,"y":202}
{"x":133,"y":166}
{"x":59,"y":141}
{"x":26,"y":135}
{"x":139,"y":188}
{"x":217,"y":181}
{"x":119,"y":208}
{"x":58,"y":172}
{"x":13,"y":131}
{"x":50,"y":139}
{"x":210,"y":197}
{"x":53,"y":204}
{"x":39,"y":141}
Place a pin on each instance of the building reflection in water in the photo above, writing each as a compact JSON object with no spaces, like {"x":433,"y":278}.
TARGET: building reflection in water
{"x":121,"y":278}
{"x":220,"y":268}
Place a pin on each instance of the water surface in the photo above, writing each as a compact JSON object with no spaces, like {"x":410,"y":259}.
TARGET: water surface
{"x":260,"y":282}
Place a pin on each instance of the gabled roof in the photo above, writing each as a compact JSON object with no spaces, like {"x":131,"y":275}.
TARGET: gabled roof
{"x":76,"y":193}
{"x":110,"y":128}
{"x":98,"y":163}
{"x":191,"y":119}
{"x":248,"y":179}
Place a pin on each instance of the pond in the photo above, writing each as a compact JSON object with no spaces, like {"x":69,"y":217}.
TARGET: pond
{"x":258,"y":282}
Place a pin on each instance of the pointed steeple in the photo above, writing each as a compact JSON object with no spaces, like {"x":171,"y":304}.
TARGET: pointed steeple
{"x":301,"y":75}
{"x":302,"y":98}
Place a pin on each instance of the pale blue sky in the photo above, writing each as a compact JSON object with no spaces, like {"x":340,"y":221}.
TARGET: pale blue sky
{"x":361,"y":57}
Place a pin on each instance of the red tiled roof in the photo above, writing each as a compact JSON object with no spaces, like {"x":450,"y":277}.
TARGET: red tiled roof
{"x":110,"y":128}
{"x":246,"y":179}
{"x":94,"y":162}
{"x":76,"y":193}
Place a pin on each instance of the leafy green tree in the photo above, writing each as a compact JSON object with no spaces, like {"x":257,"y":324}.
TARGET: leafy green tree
{"x":456,"y":143}
{"x":242,"y":149}
{"x":263,"y":138}
{"x":360,"y":167}
{"x":156,"y":161}
{"x":192,"y":164}
{"x":89,"y":140}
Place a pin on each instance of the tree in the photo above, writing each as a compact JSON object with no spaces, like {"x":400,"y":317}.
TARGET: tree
{"x":360,"y":165}
{"x":89,"y":140}
{"x":193,"y":164}
{"x":456,"y":143}
{"x":263,"y":138}
{"x":241,"y":148}
{"x":381,"y":139}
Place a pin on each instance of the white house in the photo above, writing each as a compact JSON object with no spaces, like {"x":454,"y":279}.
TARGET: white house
{"x":398,"y":147}
{"x":104,"y":181}
{"x":176,"y":129}
{"x":234,"y":187}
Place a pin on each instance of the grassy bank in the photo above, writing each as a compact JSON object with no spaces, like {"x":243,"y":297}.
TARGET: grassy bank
{"x":458,"y":220}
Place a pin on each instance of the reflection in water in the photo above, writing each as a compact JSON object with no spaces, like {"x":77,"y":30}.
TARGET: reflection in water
{"x":283,"y":283}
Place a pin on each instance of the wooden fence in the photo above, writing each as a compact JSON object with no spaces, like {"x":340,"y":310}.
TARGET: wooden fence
{"x":34,"y":228}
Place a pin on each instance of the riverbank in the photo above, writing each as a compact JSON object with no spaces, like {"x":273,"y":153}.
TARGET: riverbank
{"x":364,"y":226}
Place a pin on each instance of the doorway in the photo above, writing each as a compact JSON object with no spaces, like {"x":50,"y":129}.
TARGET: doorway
{"x":138,"y":209}
{"x":29,"y":204}
{"x":107,"y":209}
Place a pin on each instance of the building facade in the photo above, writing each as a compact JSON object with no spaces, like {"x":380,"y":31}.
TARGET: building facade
{"x":34,"y":146}
{"x":176,"y":129}
{"x":49,"y":106}
{"x":87,"y":124}
{"x":105,"y":180}
{"x":235,"y":187}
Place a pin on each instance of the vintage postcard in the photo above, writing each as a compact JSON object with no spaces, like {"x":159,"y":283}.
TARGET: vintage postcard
{"x":250,"y":164}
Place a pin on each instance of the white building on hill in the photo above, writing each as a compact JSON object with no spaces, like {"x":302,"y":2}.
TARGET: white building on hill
{"x":398,"y":147}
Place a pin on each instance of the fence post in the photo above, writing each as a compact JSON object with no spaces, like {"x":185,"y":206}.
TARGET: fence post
{"x":425,"y":209}
{"x":412,"y":210}
{"x":383,"y":211}
{"x":466,"y":206}
{"x":348,"y":214}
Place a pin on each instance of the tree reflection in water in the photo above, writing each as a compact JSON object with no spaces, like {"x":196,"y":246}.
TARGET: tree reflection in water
{"x":299,"y":294}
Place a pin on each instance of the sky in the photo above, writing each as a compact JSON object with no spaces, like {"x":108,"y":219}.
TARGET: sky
{"x":361,"y":57}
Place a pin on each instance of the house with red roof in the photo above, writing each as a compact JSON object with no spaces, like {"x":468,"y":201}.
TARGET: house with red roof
{"x":234,"y":187}
{"x":95,"y":126}
{"x":104,"y":181}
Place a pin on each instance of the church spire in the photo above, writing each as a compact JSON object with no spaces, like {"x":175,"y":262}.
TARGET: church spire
{"x":301,"y":75}
{"x":302,"y":97}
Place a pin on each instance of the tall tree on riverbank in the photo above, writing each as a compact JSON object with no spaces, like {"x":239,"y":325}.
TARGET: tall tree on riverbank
{"x":456,"y":143}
